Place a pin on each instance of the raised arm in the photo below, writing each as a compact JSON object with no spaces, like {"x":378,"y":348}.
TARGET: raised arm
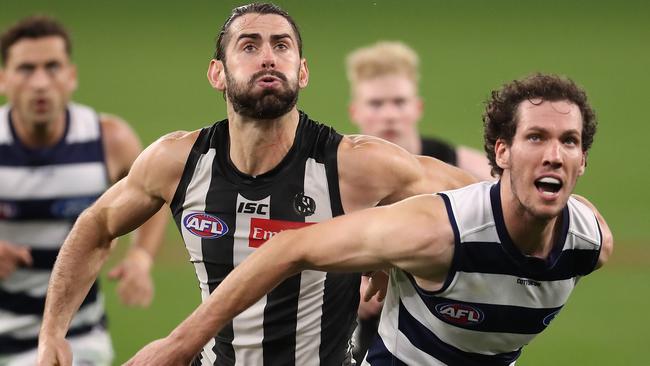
{"x":414,"y":235}
{"x":125,"y":206}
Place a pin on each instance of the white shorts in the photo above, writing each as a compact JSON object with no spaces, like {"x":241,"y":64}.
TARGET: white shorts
{"x":90,"y":349}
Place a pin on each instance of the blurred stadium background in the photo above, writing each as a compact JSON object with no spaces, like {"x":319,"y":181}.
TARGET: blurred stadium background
{"x":146,"y":61}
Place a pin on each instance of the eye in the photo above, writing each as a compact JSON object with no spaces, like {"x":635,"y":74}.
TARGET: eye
{"x":282,"y":46}
{"x":534,"y":137}
{"x":376,"y":104}
{"x":571,"y":141}
{"x":249,"y":47}
{"x":25,"y":69}
{"x":53,"y":67}
{"x":399,"y":102}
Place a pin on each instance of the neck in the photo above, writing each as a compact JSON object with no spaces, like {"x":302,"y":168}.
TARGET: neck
{"x":412,"y":143}
{"x":533,"y":236}
{"x":38,"y":134}
{"x":257,"y":146}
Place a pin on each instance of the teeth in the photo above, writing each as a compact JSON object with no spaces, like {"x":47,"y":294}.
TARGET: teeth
{"x":549,"y":180}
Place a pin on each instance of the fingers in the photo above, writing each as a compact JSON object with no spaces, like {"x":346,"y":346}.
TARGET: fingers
{"x":117,"y":272}
{"x":24,"y":256}
{"x":135,"y":290}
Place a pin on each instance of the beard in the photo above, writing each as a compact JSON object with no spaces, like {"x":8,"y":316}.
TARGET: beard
{"x":265,"y":104}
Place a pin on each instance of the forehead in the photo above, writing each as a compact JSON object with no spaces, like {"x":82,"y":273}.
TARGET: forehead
{"x":559,"y":115}
{"x":386,"y":86}
{"x":35,"y":50}
{"x":263,"y":24}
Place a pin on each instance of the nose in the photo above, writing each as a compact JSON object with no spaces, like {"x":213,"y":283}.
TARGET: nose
{"x":268,"y":57}
{"x":553,"y":155}
{"x":40,"y":79}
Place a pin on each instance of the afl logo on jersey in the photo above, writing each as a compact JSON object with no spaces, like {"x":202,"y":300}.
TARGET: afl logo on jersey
{"x":460,"y":314}
{"x":204,"y":225}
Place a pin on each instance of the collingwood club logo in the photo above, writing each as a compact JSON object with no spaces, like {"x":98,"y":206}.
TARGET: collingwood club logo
{"x":304,"y":205}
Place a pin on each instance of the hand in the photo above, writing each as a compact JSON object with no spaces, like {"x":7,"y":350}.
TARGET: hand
{"x":161,"y":352}
{"x":12,"y":256}
{"x":53,"y":352}
{"x":135,"y":287}
{"x":373,"y":292}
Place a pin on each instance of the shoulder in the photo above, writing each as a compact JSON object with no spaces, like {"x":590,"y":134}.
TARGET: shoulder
{"x":116,"y":130}
{"x":588,"y":212}
{"x":161,"y":164}
{"x":367,"y":154}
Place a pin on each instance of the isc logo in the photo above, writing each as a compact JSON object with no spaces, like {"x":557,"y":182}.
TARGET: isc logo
{"x":460,"y":314}
{"x":253,"y":207}
{"x":204,"y":225}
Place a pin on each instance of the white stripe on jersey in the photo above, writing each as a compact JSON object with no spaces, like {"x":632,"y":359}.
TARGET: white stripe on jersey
{"x":28,"y":326}
{"x":312,"y":283}
{"x":196,"y":198}
{"x":486,"y":343}
{"x":46,"y":234}
{"x":247,"y":330}
{"x":62,"y":181}
{"x":499,"y":289}
{"x":5,"y":132}
{"x":82,"y":132}
{"x":31,"y":282}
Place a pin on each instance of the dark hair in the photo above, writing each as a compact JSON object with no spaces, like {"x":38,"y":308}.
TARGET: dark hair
{"x":36,"y":26}
{"x":254,"y":8}
{"x":500,"y":117}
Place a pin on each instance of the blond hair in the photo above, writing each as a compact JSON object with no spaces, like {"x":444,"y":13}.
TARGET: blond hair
{"x":382,"y":58}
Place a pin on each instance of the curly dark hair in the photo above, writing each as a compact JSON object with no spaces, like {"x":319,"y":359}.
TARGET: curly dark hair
{"x":255,"y":8}
{"x":33,"y":27}
{"x":500,"y":117}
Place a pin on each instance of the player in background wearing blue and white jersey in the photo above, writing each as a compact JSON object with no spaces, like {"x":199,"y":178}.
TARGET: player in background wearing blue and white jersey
{"x":475,"y":273}
{"x":56,"y":158}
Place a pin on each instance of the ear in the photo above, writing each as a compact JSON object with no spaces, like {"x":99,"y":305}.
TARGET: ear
{"x":217,"y":75}
{"x":419,"y":105}
{"x":352,"y":111}
{"x":73,"y":82}
{"x":303,"y":74}
{"x":3,"y":88}
{"x":583,"y":164}
{"x":502,"y":152}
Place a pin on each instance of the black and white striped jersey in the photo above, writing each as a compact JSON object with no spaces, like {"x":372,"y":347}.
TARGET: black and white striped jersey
{"x":42,"y":191}
{"x":495,"y":299}
{"x":224,"y":215}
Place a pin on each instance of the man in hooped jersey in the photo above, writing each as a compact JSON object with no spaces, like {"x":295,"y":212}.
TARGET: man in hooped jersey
{"x":231,"y":187}
{"x":56,"y":158}
{"x":475,"y":273}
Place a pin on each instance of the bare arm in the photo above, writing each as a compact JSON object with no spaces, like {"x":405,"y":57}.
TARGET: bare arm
{"x":373,"y":171}
{"x":414,"y":235}
{"x":122,"y":147}
{"x":125,"y":206}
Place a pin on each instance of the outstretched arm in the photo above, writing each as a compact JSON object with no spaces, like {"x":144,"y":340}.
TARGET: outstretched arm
{"x":121,"y":209}
{"x":414,"y":235}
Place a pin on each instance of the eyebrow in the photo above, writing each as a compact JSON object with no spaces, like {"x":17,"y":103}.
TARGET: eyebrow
{"x":257,"y":36}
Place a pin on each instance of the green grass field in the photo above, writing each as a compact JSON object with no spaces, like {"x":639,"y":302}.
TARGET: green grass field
{"x":146,"y":61}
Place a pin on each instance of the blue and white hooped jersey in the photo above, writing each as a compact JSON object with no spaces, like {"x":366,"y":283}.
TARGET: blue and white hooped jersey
{"x":495,"y":299}
{"x":42,"y":192}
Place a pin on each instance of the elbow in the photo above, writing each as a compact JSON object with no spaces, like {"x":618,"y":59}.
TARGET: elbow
{"x":291,"y":255}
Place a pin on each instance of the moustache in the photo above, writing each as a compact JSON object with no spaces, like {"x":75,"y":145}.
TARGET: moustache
{"x":264,"y":73}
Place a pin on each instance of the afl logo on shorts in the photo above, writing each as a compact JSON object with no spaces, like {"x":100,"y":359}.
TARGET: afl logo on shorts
{"x":460,"y":314}
{"x":204,"y":225}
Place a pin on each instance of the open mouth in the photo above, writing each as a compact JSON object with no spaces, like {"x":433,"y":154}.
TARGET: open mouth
{"x":548,"y":185}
